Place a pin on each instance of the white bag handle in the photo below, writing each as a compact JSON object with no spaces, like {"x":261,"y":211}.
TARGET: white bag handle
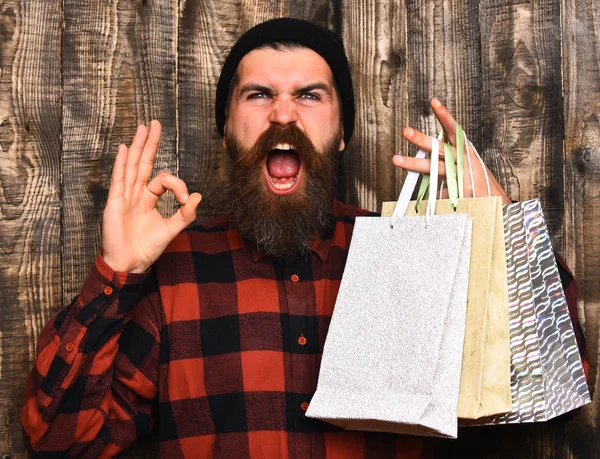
{"x":411,"y":181}
{"x":485,"y":173}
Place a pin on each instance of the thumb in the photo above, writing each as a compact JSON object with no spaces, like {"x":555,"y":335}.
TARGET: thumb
{"x":185,"y":215}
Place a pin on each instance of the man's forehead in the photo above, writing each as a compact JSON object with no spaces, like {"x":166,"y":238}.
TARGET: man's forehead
{"x":296,"y":65}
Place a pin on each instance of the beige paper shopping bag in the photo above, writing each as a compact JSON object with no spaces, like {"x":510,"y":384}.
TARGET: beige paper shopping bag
{"x":485,"y":377}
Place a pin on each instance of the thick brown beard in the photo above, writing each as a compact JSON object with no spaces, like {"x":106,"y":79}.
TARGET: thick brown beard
{"x":282,"y":226}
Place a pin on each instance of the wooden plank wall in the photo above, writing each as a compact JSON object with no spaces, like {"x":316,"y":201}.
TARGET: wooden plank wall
{"x":523,"y":77}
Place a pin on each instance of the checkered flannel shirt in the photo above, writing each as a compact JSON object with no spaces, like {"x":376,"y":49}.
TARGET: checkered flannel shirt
{"x":218,"y":347}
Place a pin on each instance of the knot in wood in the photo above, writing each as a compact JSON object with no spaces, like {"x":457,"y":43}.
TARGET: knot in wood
{"x":523,"y":78}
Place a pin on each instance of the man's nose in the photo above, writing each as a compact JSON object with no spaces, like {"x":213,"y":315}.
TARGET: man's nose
{"x":283,"y":111}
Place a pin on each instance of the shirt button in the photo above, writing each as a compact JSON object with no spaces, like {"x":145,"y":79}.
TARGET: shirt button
{"x":304,"y":406}
{"x":108,"y":290}
{"x":69,"y":347}
{"x":302,"y":340}
{"x":295,"y":278}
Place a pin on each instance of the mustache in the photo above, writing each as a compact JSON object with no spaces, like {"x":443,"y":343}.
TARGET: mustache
{"x":275,"y":134}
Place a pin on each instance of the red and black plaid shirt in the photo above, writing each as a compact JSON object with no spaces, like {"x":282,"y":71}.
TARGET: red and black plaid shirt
{"x":218,"y":343}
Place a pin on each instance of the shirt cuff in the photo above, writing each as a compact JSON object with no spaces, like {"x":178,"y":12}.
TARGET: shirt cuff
{"x":108,"y":293}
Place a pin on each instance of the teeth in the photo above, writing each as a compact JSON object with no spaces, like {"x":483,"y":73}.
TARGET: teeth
{"x":284,"y":146}
{"x":284,"y":186}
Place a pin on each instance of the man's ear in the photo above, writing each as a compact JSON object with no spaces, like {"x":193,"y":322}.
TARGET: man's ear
{"x":225,"y":134}
{"x":342,"y":143}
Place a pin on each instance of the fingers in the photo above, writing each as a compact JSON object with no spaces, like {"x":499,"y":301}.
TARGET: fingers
{"x":476,"y":187}
{"x":117,"y":180}
{"x":418,"y":139}
{"x":187,"y":212}
{"x":185,"y":215}
{"x":189,"y":203}
{"x":423,"y":141}
{"x":163,"y":182}
{"x":422,"y":166}
{"x":149,"y":153}
{"x":133,"y":158}
{"x":446,"y":120}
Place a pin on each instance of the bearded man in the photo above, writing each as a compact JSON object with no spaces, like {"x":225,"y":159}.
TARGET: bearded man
{"x":214,"y":335}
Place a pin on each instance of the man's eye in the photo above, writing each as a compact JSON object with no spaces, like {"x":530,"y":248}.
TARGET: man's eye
{"x":310,"y":96}
{"x":257,"y":95}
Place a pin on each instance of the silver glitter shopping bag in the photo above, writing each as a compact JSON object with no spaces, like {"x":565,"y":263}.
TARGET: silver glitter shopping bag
{"x":392,"y":356}
{"x":547,"y":377}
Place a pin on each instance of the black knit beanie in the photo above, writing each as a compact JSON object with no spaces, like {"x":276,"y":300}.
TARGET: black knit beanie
{"x":317,"y":38}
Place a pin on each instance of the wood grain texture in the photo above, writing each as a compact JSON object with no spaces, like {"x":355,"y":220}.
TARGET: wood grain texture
{"x":374,"y":35}
{"x":581,"y":88}
{"x":119,"y":67}
{"x":119,"y":64}
{"x":522,"y":102}
{"x":403,"y":54}
{"x":30,"y":257}
{"x":443,"y":57}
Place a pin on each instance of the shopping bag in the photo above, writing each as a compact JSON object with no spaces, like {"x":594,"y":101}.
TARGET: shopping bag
{"x":547,"y":376}
{"x":485,"y":379}
{"x":392,"y":356}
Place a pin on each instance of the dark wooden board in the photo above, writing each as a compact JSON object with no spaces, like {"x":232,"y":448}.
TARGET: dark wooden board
{"x":119,"y":67}
{"x":30,"y":256}
{"x":126,"y":53}
{"x":581,"y":89}
{"x":522,"y":102}
{"x":374,"y":35}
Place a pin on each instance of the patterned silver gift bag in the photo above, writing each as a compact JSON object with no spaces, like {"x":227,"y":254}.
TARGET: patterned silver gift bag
{"x":547,"y":377}
{"x":393,"y":352}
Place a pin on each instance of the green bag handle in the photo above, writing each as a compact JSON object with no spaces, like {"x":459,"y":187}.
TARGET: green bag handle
{"x":424,"y":188}
{"x":454,"y":178}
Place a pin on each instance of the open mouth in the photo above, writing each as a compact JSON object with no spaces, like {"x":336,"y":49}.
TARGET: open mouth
{"x":283,"y":169}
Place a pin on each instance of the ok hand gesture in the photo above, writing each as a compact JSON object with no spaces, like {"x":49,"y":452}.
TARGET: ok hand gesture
{"x":134,"y":234}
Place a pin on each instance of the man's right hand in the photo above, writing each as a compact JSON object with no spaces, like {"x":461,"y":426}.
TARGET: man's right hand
{"x":134,"y":234}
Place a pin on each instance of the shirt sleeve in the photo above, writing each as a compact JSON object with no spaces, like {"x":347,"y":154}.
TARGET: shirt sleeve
{"x":571,"y":294}
{"x":93,"y":389}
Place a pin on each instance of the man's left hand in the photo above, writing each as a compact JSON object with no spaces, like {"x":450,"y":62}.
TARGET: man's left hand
{"x":422,"y":166}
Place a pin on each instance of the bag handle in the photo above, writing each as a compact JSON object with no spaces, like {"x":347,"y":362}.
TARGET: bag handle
{"x":454,"y":177}
{"x":454,"y":174}
{"x":462,"y":147}
{"x":411,"y":181}
{"x":424,"y":188}
{"x":485,"y":172}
